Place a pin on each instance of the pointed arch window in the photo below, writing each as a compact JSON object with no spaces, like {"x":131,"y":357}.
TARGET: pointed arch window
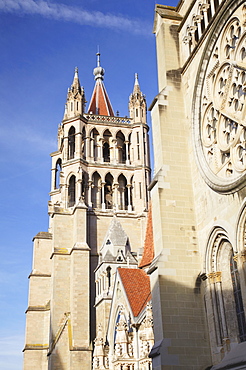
{"x":57,"y":173}
{"x":238,"y":299}
{"x":108,"y":191}
{"x":71,"y":143}
{"x":96,"y":190}
{"x":121,"y":147}
{"x":71,"y":191}
{"x":106,"y":145}
{"x":123,"y":192}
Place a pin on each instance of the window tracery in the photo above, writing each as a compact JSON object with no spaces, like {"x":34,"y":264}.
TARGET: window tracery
{"x":222,"y":107}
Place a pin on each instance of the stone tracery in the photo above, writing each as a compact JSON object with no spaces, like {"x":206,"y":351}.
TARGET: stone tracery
{"x":222,"y":118}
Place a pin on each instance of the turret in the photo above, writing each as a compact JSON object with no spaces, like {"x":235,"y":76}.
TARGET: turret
{"x":137,"y":103}
{"x":75,"y":98}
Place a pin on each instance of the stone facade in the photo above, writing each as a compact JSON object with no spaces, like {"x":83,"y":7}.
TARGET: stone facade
{"x":198,"y":189}
{"x":100,"y":174}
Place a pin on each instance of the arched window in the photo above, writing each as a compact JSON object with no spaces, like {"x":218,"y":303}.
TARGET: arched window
{"x":225,"y":315}
{"x":106,"y":146}
{"x":57,"y":173}
{"x":71,"y":191}
{"x":96,"y":190}
{"x":108,"y":191}
{"x":238,"y":299}
{"x":121,"y":147}
{"x":94,"y":144}
{"x":106,"y":152}
{"x":71,"y":142}
{"x":123,"y":203}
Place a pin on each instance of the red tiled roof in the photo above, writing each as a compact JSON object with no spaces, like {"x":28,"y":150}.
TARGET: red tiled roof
{"x":148,"y":253}
{"x":100,"y":103}
{"x":137,"y":287}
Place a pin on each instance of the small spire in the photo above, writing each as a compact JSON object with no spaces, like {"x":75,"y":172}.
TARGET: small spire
{"x":136,"y":84}
{"x":76,"y":83}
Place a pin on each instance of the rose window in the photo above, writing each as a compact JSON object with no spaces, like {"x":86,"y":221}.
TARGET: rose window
{"x":223,"y":99}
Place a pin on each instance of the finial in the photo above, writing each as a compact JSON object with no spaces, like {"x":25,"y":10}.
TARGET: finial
{"x":136,"y":79}
{"x":98,"y":71}
{"x":98,"y":56}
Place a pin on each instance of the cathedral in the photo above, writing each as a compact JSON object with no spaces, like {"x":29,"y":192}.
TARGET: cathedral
{"x":90,"y":255}
{"x":137,"y":273}
{"x":198,"y":189}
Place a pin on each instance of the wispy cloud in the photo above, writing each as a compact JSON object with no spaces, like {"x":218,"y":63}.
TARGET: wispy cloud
{"x":75,"y":14}
{"x":26,"y":138}
{"x":11,"y":352}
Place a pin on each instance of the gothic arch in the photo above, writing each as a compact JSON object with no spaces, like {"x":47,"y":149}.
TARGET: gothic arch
{"x":121,"y":146}
{"x":94,"y":137}
{"x":71,"y":190}
{"x":96,"y":190}
{"x":58,"y":170}
{"x":123,"y":192}
{"x":108,"y":191}
{"x":216,"y":236}
{"x":106,"y":145}
{"x":225,"y":324}
{"x":71,"y":142}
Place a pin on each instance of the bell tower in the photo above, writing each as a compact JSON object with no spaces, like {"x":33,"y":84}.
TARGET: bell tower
{"x":100,"y":173}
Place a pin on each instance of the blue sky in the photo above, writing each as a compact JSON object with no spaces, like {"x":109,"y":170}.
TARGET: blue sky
{"x":41,"y":43}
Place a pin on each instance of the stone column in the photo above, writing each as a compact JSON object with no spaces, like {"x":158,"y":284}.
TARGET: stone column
{"x":218,"y":333}
{"x":129,"y":197}
{"x":127,"y":152}
{"x":89,"y":193}
{"x":115,"y":187}
{"x":100,"y":150}
{"x":65,"y":152}
{"x":221,"y":304}
{"x":192,"y":30}
{"x":87,"y":148}
{"x":53,"y":179}
{"x":199,"y":19}
{"x":212,"y":7}
{"x":205,"y":12}
{"x":103,"y":196}
{"x":78,"y":144}
{"x":114,"y":159}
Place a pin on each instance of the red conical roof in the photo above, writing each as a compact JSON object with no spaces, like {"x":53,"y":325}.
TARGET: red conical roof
{"x":100,"y":103}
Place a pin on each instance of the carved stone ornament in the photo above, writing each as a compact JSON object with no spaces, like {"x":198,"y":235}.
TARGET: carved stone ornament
{"x":219,"y":105}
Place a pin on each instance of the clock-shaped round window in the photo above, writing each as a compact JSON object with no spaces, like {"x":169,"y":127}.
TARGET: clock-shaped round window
{"x":219,"y":105}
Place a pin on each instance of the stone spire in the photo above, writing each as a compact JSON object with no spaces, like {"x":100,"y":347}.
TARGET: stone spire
{"x":136,"y":88}
{"x":137,"y":103}
{"x":75,"y":98}
{"x":100,"y":103}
